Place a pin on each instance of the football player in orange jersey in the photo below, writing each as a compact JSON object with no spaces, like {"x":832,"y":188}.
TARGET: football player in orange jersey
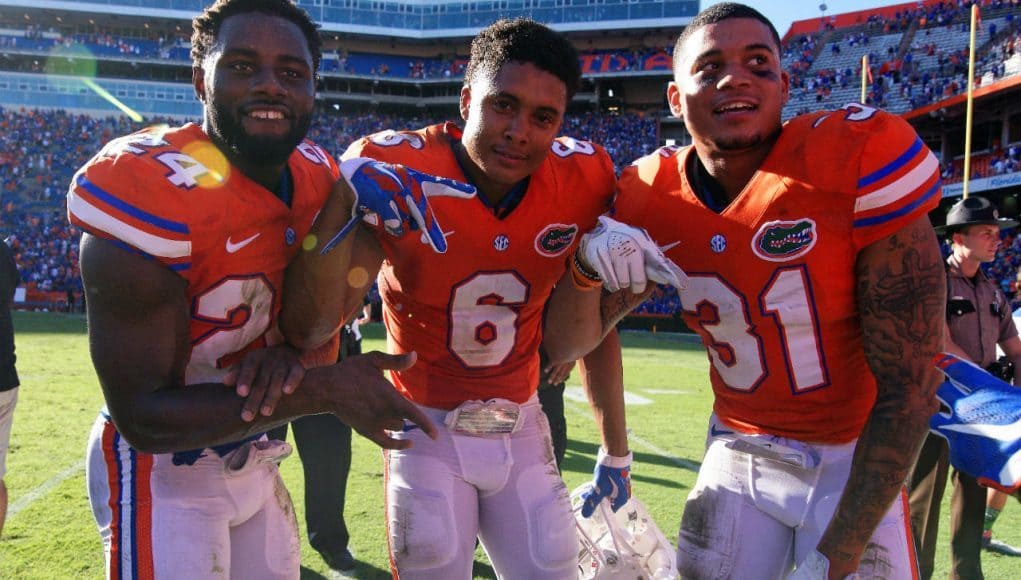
{"x":188,"y":232}
{"x":816,"y":285}
{"x":472,"y":306}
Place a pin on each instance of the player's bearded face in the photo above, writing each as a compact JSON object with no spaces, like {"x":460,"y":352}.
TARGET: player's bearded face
{"x":729,"y":86}
{"x":259,"y":149}
{"x":258,"y":87}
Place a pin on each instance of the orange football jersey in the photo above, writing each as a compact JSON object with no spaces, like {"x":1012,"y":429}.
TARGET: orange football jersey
{"x":170,"y":195}
{"x":772,"y":288}
{"x":474,"y":313}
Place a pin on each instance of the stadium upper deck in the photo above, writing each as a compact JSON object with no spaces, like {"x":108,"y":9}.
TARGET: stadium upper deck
{"x":138,"y":54}
{"x":422,"y":19}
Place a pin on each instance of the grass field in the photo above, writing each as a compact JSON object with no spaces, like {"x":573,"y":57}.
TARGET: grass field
{"x":50,"y":532}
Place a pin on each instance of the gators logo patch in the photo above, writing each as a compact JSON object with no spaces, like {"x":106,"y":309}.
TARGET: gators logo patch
{"x":780,"y":241}
{"x":554,"y":239}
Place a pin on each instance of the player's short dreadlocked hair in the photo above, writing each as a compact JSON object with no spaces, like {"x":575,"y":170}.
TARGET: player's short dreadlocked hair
{"x":206,"y":26}
{"x":718,"y":13}
{"x":525,"y":41}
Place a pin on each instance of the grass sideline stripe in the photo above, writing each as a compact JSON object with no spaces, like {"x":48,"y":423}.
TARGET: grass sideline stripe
{"x":34,"y":494}
{"x":641,"y":441}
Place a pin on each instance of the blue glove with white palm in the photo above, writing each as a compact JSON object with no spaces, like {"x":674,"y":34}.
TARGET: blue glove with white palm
{"x":982,"y":425}
{"x":611,"y":480}
{"x":400,"y":197}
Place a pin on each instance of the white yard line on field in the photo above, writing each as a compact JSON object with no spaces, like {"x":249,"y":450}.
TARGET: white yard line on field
{"x":641,"y":441}
{"x":44,"y":488}
{"x":577,"y":394}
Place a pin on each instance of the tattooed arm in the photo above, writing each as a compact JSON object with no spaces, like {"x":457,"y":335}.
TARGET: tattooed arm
{"x":578,"y":320}
{"x":901,"y":293}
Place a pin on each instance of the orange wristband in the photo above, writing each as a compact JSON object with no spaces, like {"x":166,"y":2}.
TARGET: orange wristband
{"x":583,"y":280}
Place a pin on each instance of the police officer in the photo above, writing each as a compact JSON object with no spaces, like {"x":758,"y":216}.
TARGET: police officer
{"x":978,"y":318}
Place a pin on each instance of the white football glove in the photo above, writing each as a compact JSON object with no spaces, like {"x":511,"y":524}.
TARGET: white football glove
{"x":625,"y":256}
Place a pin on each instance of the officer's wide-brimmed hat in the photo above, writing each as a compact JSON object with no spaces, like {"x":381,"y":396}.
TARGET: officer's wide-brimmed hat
{"x":972,"y":211}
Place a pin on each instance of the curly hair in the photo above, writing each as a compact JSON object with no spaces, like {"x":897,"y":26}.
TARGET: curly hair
{"x":524,"y":41}
{"x":206,"y":26}
{"x":718,"y":13}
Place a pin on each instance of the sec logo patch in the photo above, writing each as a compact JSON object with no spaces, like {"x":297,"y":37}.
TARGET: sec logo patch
{"x":554,"y":239}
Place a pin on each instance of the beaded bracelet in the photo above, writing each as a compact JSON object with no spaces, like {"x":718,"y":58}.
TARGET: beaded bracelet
{"x":582,"y":278}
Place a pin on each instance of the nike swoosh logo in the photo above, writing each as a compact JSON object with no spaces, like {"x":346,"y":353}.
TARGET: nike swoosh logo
{"x":669,"y":246}
{"x":233,"y":247}
{"x":716,"y":433}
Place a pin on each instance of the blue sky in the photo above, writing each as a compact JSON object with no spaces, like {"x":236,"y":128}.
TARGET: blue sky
{"x":783,"y":12}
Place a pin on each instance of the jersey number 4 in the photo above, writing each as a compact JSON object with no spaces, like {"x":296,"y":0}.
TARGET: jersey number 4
{"x":736,"y":347}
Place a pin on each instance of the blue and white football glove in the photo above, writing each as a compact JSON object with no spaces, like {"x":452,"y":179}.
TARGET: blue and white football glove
{"x":611,"y":480}
{"x":624,"y":256}
{"x":400,"y":197}
{"x":983,"y":424}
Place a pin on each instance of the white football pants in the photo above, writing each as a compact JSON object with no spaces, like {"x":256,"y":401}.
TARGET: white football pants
{"x":761,"y":504}
{"x":504,"y":488}
{"x":165,"y":521}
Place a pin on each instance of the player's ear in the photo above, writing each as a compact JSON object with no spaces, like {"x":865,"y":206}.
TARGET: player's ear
{"x":673,"y":98}
{"x":198,"y":80}
{"x":465,"y":102}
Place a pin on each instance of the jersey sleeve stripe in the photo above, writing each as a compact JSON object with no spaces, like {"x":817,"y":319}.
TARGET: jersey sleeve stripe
{"x":175,"y":266}
{"x":891,"y":167}
{"x":91,"y":217}
{"x":903,"y":210}
{"x":108,"y":198}
{"x":907,"y":184}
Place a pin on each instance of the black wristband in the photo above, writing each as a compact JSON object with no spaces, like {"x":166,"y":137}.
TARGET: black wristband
{"x":585,"y":271}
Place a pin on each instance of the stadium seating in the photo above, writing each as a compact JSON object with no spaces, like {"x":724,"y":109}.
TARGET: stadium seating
{"x":917,"y":57}
{"x":41,"y":149}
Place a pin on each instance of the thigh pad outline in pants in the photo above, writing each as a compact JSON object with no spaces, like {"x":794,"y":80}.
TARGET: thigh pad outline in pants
{"x":428,"y":538}
{"x":889,"y":553}
{"x":527,"y":525}
{"x":178,"y":521}
{"x":202,"y":511}
{"x":724,"y":534}
{"x":264,"y":540}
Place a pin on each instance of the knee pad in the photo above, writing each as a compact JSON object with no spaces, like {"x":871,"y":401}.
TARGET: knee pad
{"x":554,"y":537}
{"x":708,"y":529}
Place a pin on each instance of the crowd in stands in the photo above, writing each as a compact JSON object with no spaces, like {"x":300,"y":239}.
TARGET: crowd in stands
{"x":893,"y":69}
{"x":335,"y":59}
{"x":41,"y":150}
{"x":920,"y":74}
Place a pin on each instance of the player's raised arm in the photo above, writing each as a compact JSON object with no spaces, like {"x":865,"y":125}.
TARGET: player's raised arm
{"x":901,"y":291}
{"x":326,"y":282}
{"x":322,"y":287}
{"x":139,"y":339}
